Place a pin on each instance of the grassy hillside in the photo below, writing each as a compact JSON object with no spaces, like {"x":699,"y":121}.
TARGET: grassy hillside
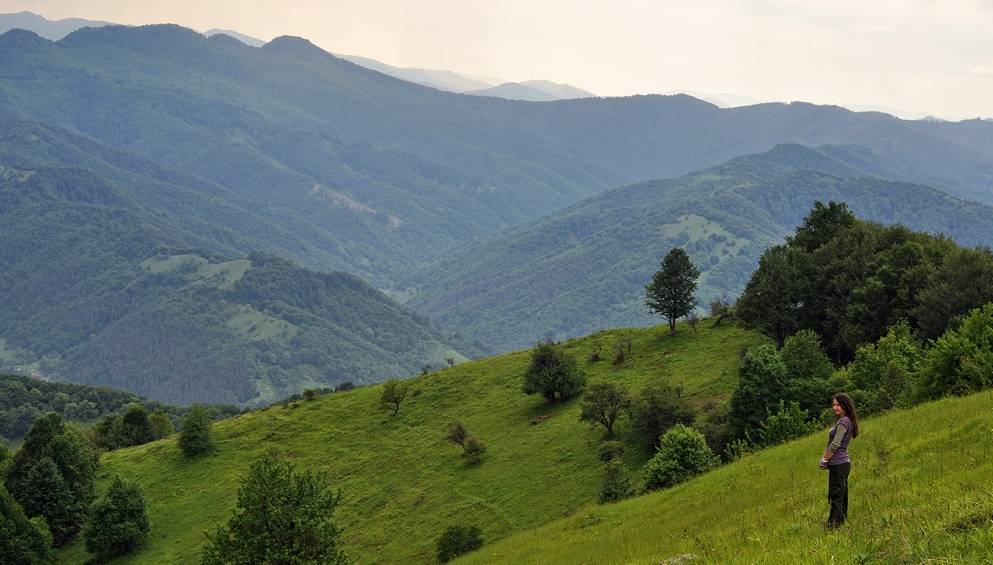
{"x":921,"y":491}
{"x":401,"y":484}
{"x":585,"y":267}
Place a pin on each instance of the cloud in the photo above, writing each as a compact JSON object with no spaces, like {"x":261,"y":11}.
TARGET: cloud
{"x":982,"y":70}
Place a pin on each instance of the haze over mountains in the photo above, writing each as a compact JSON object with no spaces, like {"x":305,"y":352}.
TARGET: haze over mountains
{"x":584,"y":268}
{"x":216,"y":152}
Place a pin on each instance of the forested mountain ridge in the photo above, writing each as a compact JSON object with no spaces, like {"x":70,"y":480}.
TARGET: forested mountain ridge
{"x":585,"y":268}
{"x":383,"y":174}
{"x":99,"y":289}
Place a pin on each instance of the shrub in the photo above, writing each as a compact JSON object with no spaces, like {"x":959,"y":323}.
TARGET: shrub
{"x":473,"y":449}
{"x":457,"y":434}
{"x":195,"y":435}
{"x":309,"y":394}
{"x":136,"y":429}
{"x":118,"y":522}
{"x":616,"y":485}
{"x":610,"y":450}
{"x":281,"y":516}
{"x":788,"y":422}
{"x":458,"y":540}
{"x":553,"y":374}
{"x":961,"y":361}
{"x":342,"y":387}
{"x":763,"y":381}
{"x":682,"y":454}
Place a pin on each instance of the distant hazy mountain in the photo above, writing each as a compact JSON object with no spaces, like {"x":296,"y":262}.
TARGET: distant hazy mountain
{"x":49,"y":29}
{"x":533,"y":91}
{"x":584,"y":268}
{"x":440,"y":79}
{"x":246,"y":39}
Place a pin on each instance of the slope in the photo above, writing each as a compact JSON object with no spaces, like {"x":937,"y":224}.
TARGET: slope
{"x":374,"y":163}
{"x":98,"y":288}
{"x":585,"y":267}
{"x":401,"y":484}
{"x":921,"y":491}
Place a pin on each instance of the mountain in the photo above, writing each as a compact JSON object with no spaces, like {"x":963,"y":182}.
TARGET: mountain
{"x":533,"y":91}
{"x":435,"y":78}
{"x":380,"y":175}
{"x":100,"y":288}
{"x":585,"y":268}
{"x":49,"y":29}
{"x":397,"y":475}
{"x":246,"y":39}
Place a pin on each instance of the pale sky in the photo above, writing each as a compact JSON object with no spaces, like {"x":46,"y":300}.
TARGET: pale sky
{"x":917,"y":56}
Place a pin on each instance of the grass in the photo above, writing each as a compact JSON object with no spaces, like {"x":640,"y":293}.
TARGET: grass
{"x":197,"y":269}
{"x":401,"y":484}
{"x":921,"y":491}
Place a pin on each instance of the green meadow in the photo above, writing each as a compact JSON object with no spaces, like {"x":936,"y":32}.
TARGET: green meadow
{"x":401,"y":484}
{"x":921,"y":491}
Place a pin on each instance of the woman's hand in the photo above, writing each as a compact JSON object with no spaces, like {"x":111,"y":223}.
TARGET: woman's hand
{"x":823,"y":464}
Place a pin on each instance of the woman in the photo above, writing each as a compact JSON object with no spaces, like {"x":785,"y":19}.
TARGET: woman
{"x":835,"y":458}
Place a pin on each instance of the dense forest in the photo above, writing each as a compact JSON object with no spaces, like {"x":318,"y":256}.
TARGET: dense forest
{"x":584,"y":268}
{"x":24,"y":399}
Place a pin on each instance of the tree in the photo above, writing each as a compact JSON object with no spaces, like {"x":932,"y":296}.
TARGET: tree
{"x":670,"y":294}
{"x":136,"y":428}
{"x":616,"y":485}
{"x":118,"y":522}
{"x":394,"y":392}
{"x":805,"y":358}
{"x":961,"y":361}
{"x":52,"y":476}
{"x":553,"y":374}
{"x":682,"y":454}
{"x":472,"y":447}
{"x":458,"y":540}
{"x":107,"y":432}
{"x":161,"y":424}
{"x":22,"y":541}
{"x":603,"y":403}
{"x":774,"y":298}
{"x":195,"y":434}
{"x":657,"y":408}
{"x":721,"y":309}
{"x":761,"y":384}
{"x":281,"y":516}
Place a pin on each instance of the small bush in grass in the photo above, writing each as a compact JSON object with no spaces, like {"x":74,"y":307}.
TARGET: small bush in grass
{"x":610,"y":450}
{"x":459,"y":540}
{"x":309,"y":394}
{"x":682,"y":454}
{"x":195,"y":436}
{"x":473,"y":449}
{"x":616,"y":485}
{"x":342,"y":387}
{"x":118,"y":522}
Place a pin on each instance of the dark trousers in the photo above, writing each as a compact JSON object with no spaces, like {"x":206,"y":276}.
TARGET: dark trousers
{"x":838,"y":492}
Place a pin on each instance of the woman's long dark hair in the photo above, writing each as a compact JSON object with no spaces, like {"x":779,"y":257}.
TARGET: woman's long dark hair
{"x":849,"y":408}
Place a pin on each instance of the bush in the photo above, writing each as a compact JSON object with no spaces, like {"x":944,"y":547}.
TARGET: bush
{"x":281,"y":516}
{"x":788,"y":422}
{"x":195,"y":436}
{"x":762,"y":383}
{"x":961,"y":361}
{"x":473,"y":450}
{"x":616,"y":485}
{"x":161,"y":424}
{"x":136,"y":428}
{"x":342,"y":387}
{"x":22,"y":541}
{"x":458,"y":540}
{"x":309,"y":394}
{"x":553,"y":374}
{"x":610,"y":450}
{"x":118,"y":522}
{"x":682,"y":454}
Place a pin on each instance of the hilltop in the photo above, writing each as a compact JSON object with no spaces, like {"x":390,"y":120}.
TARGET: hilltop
{"x":401,"y":484}
{"x":585,"y":267}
